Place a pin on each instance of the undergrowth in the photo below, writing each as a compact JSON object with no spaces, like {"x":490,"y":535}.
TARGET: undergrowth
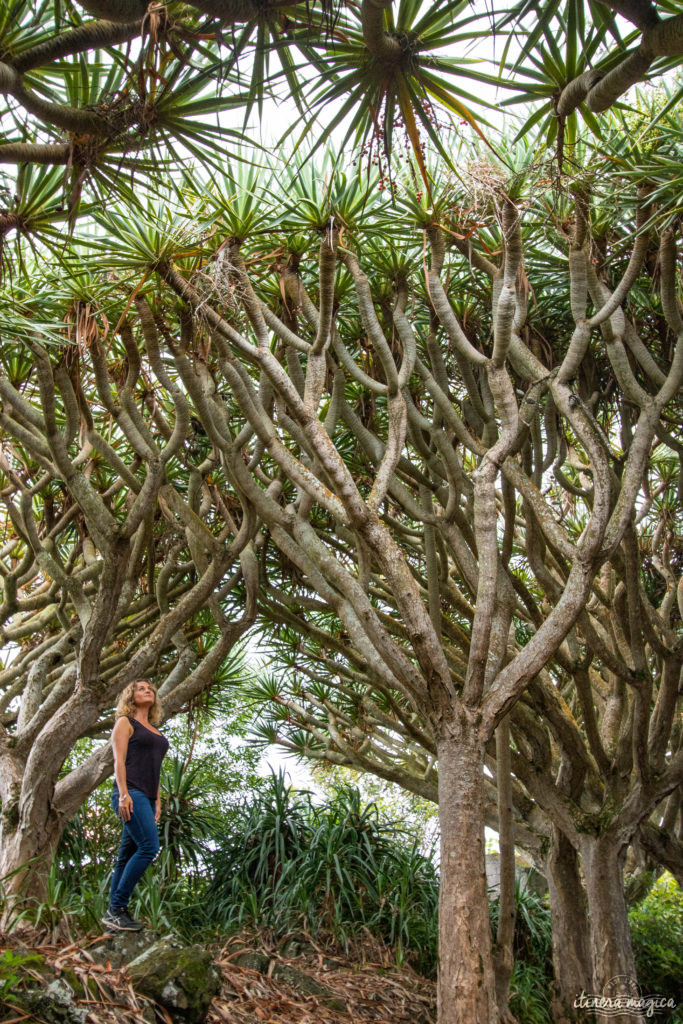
{"x":337,"y":871}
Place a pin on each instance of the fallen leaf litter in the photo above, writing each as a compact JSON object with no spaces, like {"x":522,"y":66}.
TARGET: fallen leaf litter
{"x":364,"y":986}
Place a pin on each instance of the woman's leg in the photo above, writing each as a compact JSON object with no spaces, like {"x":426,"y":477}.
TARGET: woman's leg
{"x":126,"y":850}
{"x":142,"y":832}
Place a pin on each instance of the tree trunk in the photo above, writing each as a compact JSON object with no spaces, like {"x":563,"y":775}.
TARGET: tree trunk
{"x":503,"y":953}
{"x":612,"y":963}
{"x":466,"y":985}
{"x":29,"y":834}
{"x":571,"y":955}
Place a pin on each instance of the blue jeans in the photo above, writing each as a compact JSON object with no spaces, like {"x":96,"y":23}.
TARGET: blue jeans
{"x":139,"y":846}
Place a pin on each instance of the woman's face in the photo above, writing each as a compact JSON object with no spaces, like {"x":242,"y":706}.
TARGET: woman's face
{"x":144,"y":694}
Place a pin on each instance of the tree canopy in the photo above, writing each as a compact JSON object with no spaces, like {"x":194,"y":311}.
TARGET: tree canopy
{"x":422,"y":412}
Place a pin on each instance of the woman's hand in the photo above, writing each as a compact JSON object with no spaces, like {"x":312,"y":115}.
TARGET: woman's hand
{"x":125,"y":807}
{"x":157,"y":812}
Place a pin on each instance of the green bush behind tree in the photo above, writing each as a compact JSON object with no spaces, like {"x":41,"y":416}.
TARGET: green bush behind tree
{"x":657,"y":933}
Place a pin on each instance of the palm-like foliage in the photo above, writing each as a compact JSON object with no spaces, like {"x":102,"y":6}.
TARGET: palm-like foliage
{"x":385,"y":72}
{"x":185,"y":826}
{"x":563,"y":45}
{"x":332,"y":870}
{"x":576,"y":56}
{"x":119,"y":103}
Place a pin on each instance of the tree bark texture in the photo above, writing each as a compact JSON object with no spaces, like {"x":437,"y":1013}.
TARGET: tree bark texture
{"x":610,"y":939}
{"x":466,"y":985}
{"x":29,"y":834}
{"x":504,"y":953}
{"x":571,"y":953}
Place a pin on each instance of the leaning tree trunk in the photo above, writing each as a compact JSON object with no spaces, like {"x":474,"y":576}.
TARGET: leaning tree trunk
{"x":466,"y":985}
{"x":29,"y":834}
{"x":612,"y":962}
{"x":33,"y":817}
{"x":570,"y":926}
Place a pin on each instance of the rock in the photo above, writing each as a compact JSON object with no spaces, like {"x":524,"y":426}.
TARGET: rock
{"x":301,"y":982}
{"x":294,"y":944}
{"x":305,"y":985}
{"x":182,"y":978}
{"x":53,"y":1000}
{"x":55,"y":1004}
{"x":121,"y":947}
{"x":252,"y":960}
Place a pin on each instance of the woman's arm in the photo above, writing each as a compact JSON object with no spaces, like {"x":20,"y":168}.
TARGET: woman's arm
{"x":157,"y":813}
{"x":123,"y":731}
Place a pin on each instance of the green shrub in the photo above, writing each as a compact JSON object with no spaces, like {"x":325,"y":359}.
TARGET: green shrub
{"x":333,"y":870}
{"x":340,"y":868}
{"x":657,"y":937}
{"x":530,"y":999}
{"x":533,"y":941}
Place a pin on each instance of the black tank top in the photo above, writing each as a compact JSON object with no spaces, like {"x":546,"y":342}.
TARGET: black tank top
{"x":146,"y":750}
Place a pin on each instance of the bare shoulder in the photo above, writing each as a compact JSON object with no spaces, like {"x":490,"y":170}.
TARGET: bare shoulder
{"x":122,"y":729}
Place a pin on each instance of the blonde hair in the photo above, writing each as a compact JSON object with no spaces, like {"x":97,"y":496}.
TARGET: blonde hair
{"x":126,"y":706}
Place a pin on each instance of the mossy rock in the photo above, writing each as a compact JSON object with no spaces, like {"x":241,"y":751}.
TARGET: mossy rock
{"x":94,"y":990}
{"x":252,"y":960}
{"x":121,"y":947}
{"x":305,"y":985}
{"x":27,"y":995}
{"x":79,"y":987}
{"x":54,"y":1004}
{"x":182,"y":978}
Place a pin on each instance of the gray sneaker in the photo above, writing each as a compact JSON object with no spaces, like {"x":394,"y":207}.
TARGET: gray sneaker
{"x":121,"y":921}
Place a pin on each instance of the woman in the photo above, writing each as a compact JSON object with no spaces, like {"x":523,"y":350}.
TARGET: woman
{"x":139,"y":749}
